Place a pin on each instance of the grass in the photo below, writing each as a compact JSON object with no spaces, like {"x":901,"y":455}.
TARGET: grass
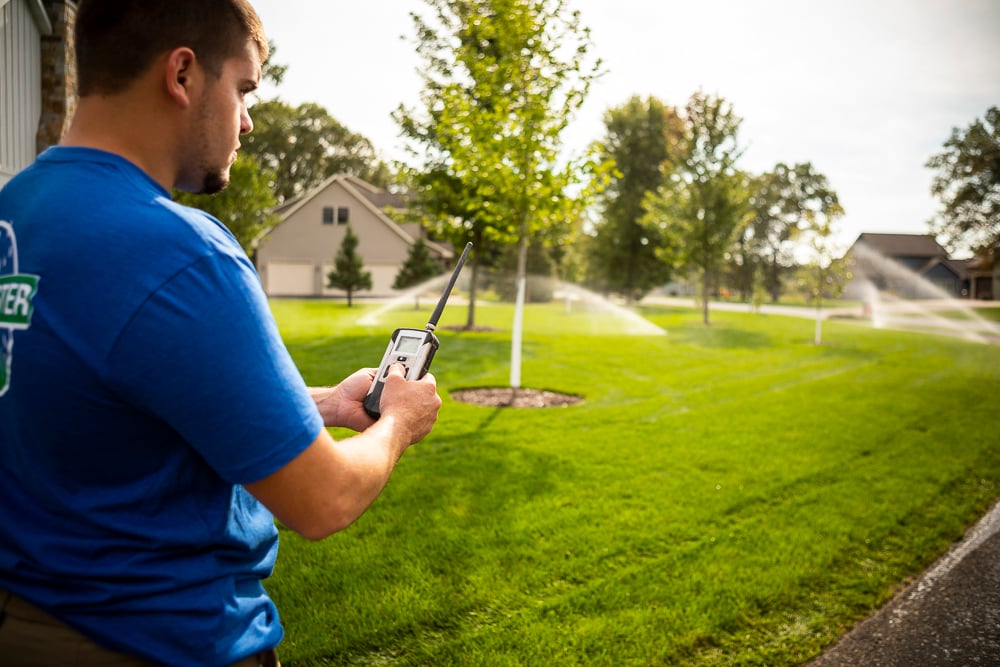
{"x":991,"y":314}
{"x":731,"y":495}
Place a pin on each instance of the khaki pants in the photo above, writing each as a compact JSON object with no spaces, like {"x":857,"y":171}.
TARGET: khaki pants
{"x":29,"y":637}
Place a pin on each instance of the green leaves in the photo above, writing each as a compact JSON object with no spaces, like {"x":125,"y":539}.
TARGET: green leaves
{"x":304,"y":145}
{"x":786,"y":202}
{"x":968,"y":185}
{"x":418,"y":267}
{"x":642,"y":141}
{"x":703,"y":204}
{"x":502,"y":79}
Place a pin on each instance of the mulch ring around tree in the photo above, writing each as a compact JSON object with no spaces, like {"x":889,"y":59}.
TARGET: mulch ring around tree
{"x":507,"y":397}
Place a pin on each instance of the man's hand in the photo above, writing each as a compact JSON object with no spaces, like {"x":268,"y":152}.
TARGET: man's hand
{"x":413,"y":405}
{"x":342,"y":405}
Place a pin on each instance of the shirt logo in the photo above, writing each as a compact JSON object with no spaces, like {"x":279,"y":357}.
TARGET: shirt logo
{"x":17,"y":290}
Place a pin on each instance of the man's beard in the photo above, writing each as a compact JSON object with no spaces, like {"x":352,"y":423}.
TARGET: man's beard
{"x":216,"y":177}
{"x":214,"y":181}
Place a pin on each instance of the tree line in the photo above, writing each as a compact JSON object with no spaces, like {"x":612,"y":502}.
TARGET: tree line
{"x":660,"y":196}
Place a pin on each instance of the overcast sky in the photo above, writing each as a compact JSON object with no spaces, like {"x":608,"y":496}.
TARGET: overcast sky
{"x":865,"y":90}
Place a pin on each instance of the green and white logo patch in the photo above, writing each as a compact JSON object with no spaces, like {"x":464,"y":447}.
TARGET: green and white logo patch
{"x":17,"y":290}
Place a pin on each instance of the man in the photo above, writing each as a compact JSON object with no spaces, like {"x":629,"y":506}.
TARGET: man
{"x":151,"y":420}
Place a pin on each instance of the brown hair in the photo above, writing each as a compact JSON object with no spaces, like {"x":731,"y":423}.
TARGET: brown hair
{"x":117,"y":40}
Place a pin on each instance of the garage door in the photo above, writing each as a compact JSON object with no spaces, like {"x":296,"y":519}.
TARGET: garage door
{"x":290,"y":279}
{"x":382,"y":279}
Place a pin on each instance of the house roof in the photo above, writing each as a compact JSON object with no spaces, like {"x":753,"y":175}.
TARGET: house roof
{"x":903,"y":245}
{"x":967,"y":264}
{"x":377,"y":196}
{"x":371,"y":197}
{"x":956,"y":267}
{"x":38,"y":13}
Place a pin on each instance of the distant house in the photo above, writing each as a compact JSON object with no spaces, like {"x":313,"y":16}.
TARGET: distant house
{"x":983,"y":276}
{"x":908,"y":264}
{"x":37,"y":77}
{"x":294,"y":258}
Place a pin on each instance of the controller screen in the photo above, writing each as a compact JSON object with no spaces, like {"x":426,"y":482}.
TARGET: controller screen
{"x":408,"y":345}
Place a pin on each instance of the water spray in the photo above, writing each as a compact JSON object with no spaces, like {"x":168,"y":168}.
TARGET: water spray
{"x":919,"y":312}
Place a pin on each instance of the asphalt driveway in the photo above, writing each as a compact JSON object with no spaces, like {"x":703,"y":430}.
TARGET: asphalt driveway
{"x":949,"y":616}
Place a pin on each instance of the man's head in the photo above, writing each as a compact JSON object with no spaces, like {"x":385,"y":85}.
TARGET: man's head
{"x":117,"y":40}
{"x":183,"y":67}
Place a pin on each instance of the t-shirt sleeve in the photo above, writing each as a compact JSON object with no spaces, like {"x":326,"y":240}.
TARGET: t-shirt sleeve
{"x":203,"y":354}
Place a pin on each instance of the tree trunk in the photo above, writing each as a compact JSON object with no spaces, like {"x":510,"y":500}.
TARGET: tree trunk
{"x":774,"y":281}
{"x":471,"y":319}
{"x":704,"y":297}
{"x":818,"y":337}
{"x":517,"y":333}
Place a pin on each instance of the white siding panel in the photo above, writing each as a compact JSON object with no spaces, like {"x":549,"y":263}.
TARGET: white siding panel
{"x":20,"y":87}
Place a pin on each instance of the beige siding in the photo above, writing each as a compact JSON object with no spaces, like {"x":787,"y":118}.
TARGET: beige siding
{"x":382,"y":279}
{"x":289,"y":278}
{"x":20,"y":86}
{"x":303,"y":239}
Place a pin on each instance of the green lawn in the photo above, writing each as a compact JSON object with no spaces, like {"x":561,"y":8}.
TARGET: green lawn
{"x":732,"y":495}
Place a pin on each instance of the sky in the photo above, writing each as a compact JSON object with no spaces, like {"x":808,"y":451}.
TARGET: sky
{"x":865,"y":90}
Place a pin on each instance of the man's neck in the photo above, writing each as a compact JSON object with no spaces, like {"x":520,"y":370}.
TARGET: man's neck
{"x":117,"y":125}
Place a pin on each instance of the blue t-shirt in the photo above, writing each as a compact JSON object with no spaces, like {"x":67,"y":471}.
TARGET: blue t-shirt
{"x":143,"y":382}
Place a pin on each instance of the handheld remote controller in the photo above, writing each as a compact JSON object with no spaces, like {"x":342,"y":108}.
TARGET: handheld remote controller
{"x":414,"y":348}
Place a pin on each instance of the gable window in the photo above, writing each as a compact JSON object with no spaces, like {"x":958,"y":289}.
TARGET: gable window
{"x":343,"y":215}
{"x":327,"y":215}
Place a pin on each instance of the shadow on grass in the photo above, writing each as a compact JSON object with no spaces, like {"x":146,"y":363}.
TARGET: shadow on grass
{"x":469,"y":468}
{"x":720,"y":336}
{"x":412,"y":566}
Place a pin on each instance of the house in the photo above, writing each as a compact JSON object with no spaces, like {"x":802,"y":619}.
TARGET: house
{"x":37,"y":79}
{"x":983,"y":276}
{"x":294,"y":257}
{"x":916,"y":266}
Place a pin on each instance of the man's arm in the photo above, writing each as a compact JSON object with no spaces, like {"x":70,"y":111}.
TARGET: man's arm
{"x":332,"y":482}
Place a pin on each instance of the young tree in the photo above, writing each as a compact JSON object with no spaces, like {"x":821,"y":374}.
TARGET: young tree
{"x":502,"y":79}
{"x":419,"y":267}
{"x":968,"y":185}
{"x":704,"y":203}
{"x":348,"y":268}
{"x":643,"y":140}
{"x":783,"y":201}
{"x":823,"y":251}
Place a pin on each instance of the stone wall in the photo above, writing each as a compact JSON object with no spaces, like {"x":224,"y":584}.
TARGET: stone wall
{"x":58,"y":74}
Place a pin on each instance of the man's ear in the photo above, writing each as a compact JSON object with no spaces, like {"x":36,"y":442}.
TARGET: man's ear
{"x":180,"y":71}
